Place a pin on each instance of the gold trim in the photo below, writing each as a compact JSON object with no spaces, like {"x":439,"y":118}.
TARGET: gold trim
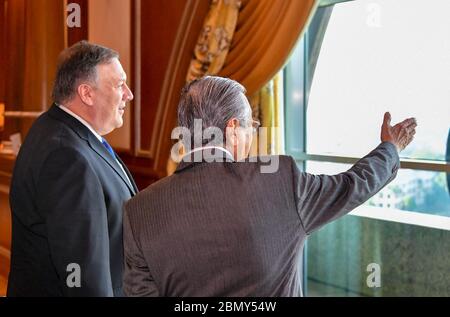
{"x":22,"y":114}
{"x":425,"y":165}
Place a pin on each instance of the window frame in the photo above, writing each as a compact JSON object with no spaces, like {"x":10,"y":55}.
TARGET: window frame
{"x":296,"y":134}
{"x":296,"y":76}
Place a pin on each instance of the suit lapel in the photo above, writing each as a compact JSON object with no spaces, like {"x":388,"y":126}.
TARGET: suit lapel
{"x":84,"y":133}
{"x":99,"y":148}
{"x":130,"y":177}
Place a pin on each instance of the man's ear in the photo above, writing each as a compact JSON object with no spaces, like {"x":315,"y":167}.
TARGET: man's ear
{"x":86,"y":94}
{"x":231,"y":131}
{"x":233,"y":123}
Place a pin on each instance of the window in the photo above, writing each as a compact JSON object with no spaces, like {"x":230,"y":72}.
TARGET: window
{"x":412,"y":191}
{"x":375,"y":56}
{"x":357,"y":60}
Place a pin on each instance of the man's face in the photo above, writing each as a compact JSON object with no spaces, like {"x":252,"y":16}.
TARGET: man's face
{"x":110,"y":96}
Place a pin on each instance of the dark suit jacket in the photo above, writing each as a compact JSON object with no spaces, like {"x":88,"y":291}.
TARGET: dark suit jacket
{"x":226,"y":229}
{"x":67,"y":194}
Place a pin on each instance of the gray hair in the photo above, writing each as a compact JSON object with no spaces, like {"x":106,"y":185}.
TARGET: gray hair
{"x":214,"y":100}
{"x":76,"y":64}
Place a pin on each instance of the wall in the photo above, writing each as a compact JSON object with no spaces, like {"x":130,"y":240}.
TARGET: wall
{"x":2,"y":51}
{"x":164,"y":35}
{"x":110,"y":25}
{"x":32,"y":35}
{"x":156,"y":40}
{"x":6,"y":164}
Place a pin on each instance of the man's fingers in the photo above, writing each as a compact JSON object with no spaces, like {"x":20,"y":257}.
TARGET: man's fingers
{"x":411,"y":130}
{"x":407,"y":122}
{"x":387,"y":119}
{"x":409,"y":136}
{"x":410,"y":122}
{"x":409,"y":126}
{"x":402,"y":132}
{"x":409,"y":140}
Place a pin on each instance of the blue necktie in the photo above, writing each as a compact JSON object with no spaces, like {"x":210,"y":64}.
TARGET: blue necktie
{"x":111,"y":151}
{"x":108,"y":147}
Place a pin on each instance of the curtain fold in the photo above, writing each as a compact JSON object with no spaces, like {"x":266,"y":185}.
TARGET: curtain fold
{"x":215,"y":39}
{"x":250,"y":41}
{"x":265,"y":35}
{"x":267,"y":106}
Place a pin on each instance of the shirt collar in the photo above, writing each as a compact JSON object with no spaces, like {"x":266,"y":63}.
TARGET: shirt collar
{"x":208,"y":148}
{"x":98,"y":136}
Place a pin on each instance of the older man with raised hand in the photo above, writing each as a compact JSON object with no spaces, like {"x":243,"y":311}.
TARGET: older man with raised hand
{"x":222,"y":227}
{"x":69,"y":186}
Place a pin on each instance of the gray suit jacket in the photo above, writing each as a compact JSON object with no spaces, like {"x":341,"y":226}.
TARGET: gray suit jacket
{"x":226,"y":229}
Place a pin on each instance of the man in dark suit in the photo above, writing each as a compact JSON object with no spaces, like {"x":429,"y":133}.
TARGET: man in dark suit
{"x":224,"y":226}
{"x":69,"y":187}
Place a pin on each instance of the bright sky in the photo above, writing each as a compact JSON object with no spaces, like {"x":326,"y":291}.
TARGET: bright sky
{"x":381,"y":56}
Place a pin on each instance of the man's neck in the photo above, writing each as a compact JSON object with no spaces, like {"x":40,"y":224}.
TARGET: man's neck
{"x":80,"y":118}
{"x":208,"y":147}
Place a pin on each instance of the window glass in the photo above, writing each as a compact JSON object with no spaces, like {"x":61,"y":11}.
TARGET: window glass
{"x":382,"y":56}
{"x":411,"y":190}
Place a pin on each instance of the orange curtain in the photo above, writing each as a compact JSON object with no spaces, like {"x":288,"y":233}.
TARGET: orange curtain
{"x":211,"y":48}
{"x":215,"y":38}
{"x":250,"y":41}
{"x":265,"y":35}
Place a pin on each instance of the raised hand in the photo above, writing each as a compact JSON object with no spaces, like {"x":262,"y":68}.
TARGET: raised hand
{"x":400,"y":134}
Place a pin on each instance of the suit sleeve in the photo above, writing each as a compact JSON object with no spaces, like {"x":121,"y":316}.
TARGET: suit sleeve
{"x":137,"y":280}
{"x":323,"y":198}
{"x":71,"y":198}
